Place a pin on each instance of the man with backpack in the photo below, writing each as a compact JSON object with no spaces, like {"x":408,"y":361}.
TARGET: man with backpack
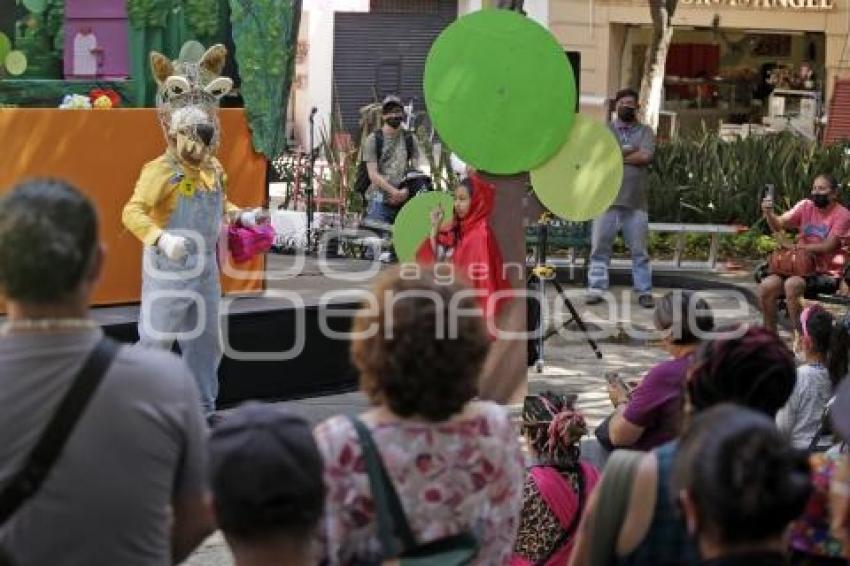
{"x":387,"y":154}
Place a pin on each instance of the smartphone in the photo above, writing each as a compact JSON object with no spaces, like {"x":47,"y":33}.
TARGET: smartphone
{"x":769,"y":192}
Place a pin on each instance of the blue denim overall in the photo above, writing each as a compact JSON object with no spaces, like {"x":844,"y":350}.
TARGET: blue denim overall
{"x":172,"y":290}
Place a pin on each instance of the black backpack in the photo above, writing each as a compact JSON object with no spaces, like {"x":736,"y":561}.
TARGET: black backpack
{"x":362,"y":181}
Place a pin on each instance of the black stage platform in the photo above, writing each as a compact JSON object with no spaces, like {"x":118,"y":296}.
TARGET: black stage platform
{"x":264,"y":334}
{"x":264,"y":330}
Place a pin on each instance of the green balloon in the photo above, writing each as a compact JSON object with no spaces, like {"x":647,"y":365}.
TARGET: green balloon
{"x":16,"y":63}
{"x":412,"y":226}
{"x":35,"y":6}
{"x":5,"y":46}
{"x":582,"y":180}
{"x":500,"y":91}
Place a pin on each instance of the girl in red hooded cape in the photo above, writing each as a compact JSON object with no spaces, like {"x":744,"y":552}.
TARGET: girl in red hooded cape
{"x":468,"y":243}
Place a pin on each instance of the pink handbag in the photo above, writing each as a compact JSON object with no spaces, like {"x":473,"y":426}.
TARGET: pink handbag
{"x":246,"y":243}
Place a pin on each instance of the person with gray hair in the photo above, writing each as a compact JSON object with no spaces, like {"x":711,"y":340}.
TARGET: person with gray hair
{"x":128,"y":486}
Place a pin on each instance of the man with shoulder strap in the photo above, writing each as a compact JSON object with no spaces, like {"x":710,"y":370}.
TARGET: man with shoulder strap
{"x":122,"y":479}
{"x":387,"y":170}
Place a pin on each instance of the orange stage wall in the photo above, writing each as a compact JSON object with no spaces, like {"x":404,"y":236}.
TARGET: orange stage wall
{"x":102,"y":152}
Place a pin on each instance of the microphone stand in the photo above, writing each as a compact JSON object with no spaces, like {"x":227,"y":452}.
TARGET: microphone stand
{"x":309,"y":188}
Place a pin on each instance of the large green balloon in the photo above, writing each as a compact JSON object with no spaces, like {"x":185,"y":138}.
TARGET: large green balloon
{"x":412,"y":226}
{"x":500,"y":91}
{"x":582,"y":180}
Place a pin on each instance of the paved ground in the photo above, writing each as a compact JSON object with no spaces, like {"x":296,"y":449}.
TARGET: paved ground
{"x":570,"y":367}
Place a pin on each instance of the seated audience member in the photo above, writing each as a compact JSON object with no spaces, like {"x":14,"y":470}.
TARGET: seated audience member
{"x":754,"y":369}
{"x":454,"y":462}
{"x":651,"y":414}
{"x":129,"y":484}
{"x":810,"y":540}
{"x":822,"y":222}
{"x":557,"y":487}
{"x":800,"y":419}
{"x":839,"y":484}
{"x":739,"y":484}
{"x":268,"y":493}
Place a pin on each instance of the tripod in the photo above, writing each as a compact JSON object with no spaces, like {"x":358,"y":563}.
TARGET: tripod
{"x":540,"y":274}
{"x":309,"y":191}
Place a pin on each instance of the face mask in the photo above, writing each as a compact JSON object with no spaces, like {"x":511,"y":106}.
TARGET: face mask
{"x":626,"y":113}
{"x":394,"y":122}
{"x":820,"y":200}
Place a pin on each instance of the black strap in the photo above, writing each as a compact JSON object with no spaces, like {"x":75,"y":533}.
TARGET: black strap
{"x":379,"y":144}
{"x":392,"y":522}
{"x":571,"y":529}
{"x":823,"y":429}
{"x":49,"y":447}
{"x":408,"y":145}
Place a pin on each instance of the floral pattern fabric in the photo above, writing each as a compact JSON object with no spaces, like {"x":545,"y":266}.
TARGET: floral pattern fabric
{"x":459,"y":475}
{"x":810,"y":533}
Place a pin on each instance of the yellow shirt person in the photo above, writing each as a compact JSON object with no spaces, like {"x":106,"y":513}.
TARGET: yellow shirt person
{"x":160,"y":184}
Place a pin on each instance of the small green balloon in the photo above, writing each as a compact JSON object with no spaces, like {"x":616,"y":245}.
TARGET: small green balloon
{"x":412,"y":226}
{"x":191,"y":52}
{"x":5,"y":46}
{"x":582,"y":180}
{"x":16,"y":63}
{"x":500,"y":91}
{"x":35,"y":6}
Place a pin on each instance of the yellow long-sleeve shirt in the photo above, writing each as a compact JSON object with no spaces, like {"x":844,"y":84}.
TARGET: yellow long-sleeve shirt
{"x":154,"y":199}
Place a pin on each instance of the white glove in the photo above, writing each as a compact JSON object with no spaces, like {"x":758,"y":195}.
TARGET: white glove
{"x":250,"y":218}
{"x":174,"y":247}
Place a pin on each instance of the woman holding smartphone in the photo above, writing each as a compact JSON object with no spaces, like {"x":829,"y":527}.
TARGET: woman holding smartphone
{"x":650,"y":415}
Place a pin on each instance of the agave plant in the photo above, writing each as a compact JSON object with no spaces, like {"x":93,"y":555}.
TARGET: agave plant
{"x":709,"y":180}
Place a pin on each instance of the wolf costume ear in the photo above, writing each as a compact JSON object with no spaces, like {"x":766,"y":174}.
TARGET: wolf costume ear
{"x":213,"y":59}
{"x":161,"y":67}
{"x":219,"y":87}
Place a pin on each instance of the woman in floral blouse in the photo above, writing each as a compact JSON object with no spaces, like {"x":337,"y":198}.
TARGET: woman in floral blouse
{"x":454,"y":462}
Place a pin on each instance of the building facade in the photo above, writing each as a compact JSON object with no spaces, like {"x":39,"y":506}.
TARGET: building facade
{"x":351,"y":51}
{"x":727,"y":56}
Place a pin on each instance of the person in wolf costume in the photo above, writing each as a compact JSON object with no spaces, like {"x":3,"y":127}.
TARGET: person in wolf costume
{"x":177,"y":210}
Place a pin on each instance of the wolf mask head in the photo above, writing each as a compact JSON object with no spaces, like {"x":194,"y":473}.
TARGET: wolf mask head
{"x":188,"y":96}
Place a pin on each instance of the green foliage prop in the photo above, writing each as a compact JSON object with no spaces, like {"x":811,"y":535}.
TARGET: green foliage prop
{"x":39,"y":35}
{"x":265,"y":33}
{"x":201,"y":15}
{"x":149,"y":13}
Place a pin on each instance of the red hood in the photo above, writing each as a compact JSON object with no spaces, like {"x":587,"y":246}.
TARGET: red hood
{"x":481,"y":205}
